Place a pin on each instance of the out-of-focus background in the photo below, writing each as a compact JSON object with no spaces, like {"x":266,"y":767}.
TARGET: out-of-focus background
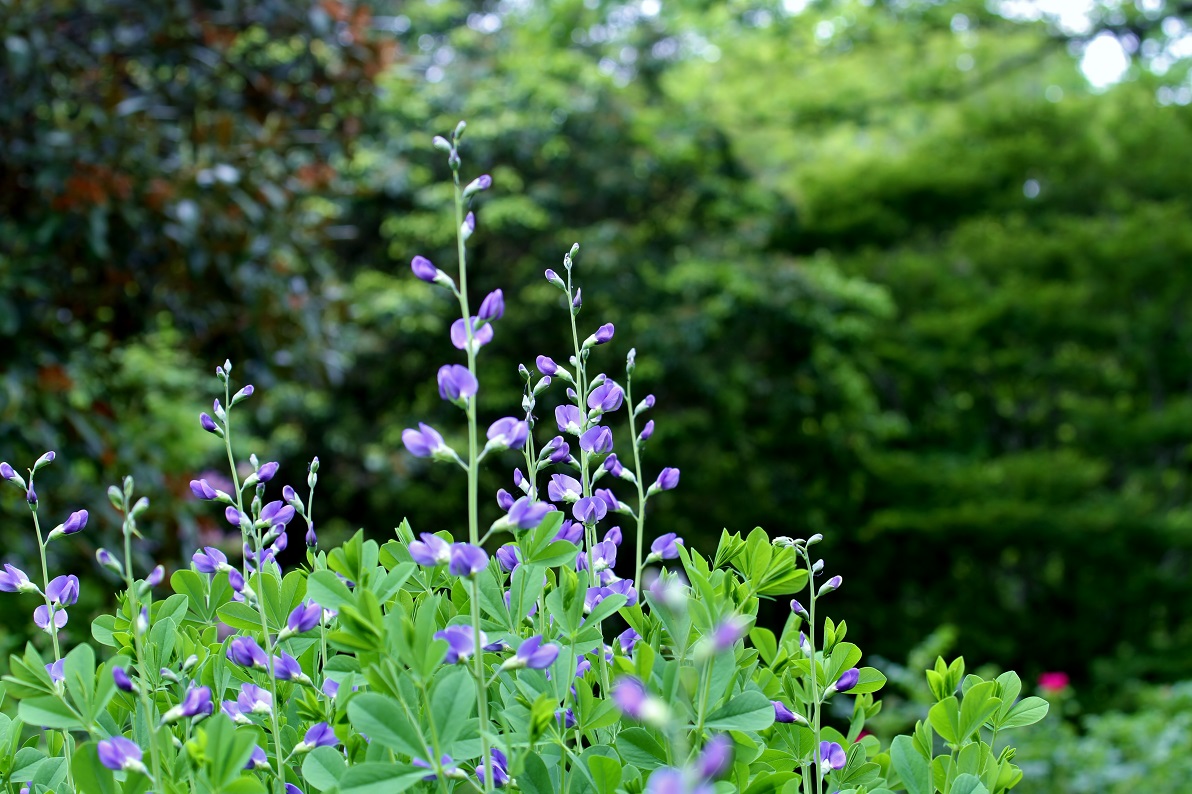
{"x":910,"y":273}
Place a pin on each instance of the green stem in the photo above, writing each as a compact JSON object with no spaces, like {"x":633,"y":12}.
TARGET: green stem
{"x":139,"y":647}
{"x":637,"y":476}
{"x":815,"y":694}
{"x":45,"y":582}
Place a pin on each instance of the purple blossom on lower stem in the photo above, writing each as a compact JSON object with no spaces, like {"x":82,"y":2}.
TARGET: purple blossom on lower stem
{"x":120,"y":754}
{"x":292,"y":789}
{"x":603,"y":555}
{"x":668,"y":479}
{"x":286,"y":668}
{"x":123,"y":682}
{"x":563,"y":488}
{"x":196,"y":703}
{"x":481,"y":335}
{"x":665,"y":547}
{"x":533,"y":654}
{"x":798,"y":609}
{"x":431,"y":551}
{"x":74,"y":523}
{"x":509,"y":556}
{"x":63,"y":590}
{"x":42,"y":617}
{"x":716,"y":757}
{"x":570,"y":531}
{"x":424,"y":269}
{"x":504,"y":499}
{"x":268,"y":471}
{"x":425,"y":442}
{"x":312,"y":538}
{"x":456,"y":383}
{"x":624,"y":587}
{"x":330,"y":687}
{"x":528,"y":514}
{"x":258,"y":759}
{"x":208,"y":424}
{"x":557,"y":450}
{"x":589,"y":510}
{"x":782,"y":713}
{"x":447,"y":765}
{"x":244,"y":651}
{"x":608,"y":397}
{"x":570,"y":419}
{"x":596,"y":440}
{"x":14,"y":580}
{"x":57,"y":671}
{"x":461,"y":642}
{"x":254,"y":700}
{"x":492,"y":307}
{"x":232,"y":515}
{"x":627,"y":639}
{"x":500,"y":767}
{"x":507,"y":433}
{"x":231,"y":710}
{"x":209,"y":560}
{"x":566,"y":717}
{"x":614,"y":536}
{"x":277,"y":513}
{"x":613,"y":466}
{"x":829,"y":586}
{"x":236,"y":581}
{"x":728,"y":632}
{"x":629,"y":694}
{"x":646,"y":432}
{"x":546,"y":365}
{"x":319,"y":735}
{"x":7,"y":472}
{"x":304,"y":617}
{"x":467,"y":560}
{"x":604,"y":333}
{"x":831,"y":756}
{"x":848,"y":679}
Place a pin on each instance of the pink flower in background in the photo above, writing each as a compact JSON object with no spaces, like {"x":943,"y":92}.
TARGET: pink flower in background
{"x":1053,"y":683}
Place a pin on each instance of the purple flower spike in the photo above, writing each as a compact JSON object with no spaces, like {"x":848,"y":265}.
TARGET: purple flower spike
{"x":57,"y":671}
{"x":509,"y":556}
{"x":492,"y":307}
{"x":608,"y":397}
{"x":668,"y":478}
{"x":467,"y":560}
{"x":244,"y":651}
{"x":207,"y":423}
{"x":546,"y":365}
{"x":304,"y":617}
{"x":647,"y":431}
{"x":848,"y":679}
{"x":456,"y":382}
{"x":526,"y":514}
{"x":604,"y":333}
{"x":63,"y":590}
{"x":268,"y":471}
{"x":481,"y":336}
{"x":664,"y":547}
{"x":782,"y":713}
{"x":123,"y":682}
{"x":589,"y":510}
{"x":629,"y":694}
{"x":431,"y":551}
{"x":508,"y":433}
{"x":320,"y":735}
{"x":209,"y":560}
{"x":597,"y":439}
{"x":41,"y":617}
{"x":831,"y":756}
{"x":119,"y":754}
{"x":563,"y":488}
{"x":716,"y":758}
{"x":570,"y":419}
{"x":75,"y":523}
{"x":424,"y":269}
{"x":14,"y":580}
{"x":500,"y":767}
{"x":534,"y":655}
{"x":423,"y":442}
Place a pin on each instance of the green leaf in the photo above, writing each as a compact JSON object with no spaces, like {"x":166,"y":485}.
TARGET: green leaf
{"x":535,"y":777}
{"x":869,"y":680}
{"x":240,"y":616}
{"x":1027,"y":711}
{"x":945,"y":719}
{"x":379,"y":778}
{"x":104,"y":628}
{"x":606,"y":773}
{"x":978,"y":705}
{"x":911,"y":766}
{"x":48,"y":711}
{"x":749,"y":711}
{"x":327,"y":590}
{"x":228,"y":749}
{"x":323,"y":768}
{"x":89,"y":774}
{"x":25,"y":765}
{"x":639,"y":748}
{"x":78,"y":669}
{"x":766,"y":644}
{"x":383,"y":721}
{"x":968,"y":784}
{"x":451,"y":703}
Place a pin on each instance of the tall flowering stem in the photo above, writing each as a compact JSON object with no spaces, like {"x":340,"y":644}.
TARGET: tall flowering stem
{"x":816,"y":704}
{"x":473,"y":455}
{"x":637,"y":471}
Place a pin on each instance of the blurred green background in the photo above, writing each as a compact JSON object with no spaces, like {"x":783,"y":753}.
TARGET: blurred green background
{"x":910,"y":273}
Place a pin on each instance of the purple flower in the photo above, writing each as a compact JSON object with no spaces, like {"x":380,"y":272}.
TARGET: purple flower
{"x":424,"y":269}
{"x":608,"y":397}
{"x":74,"y":523}
{"x":286,"y":668}
{"x":566,"y":717}
{"x":504,"y":499}
{"x":461,"y":642}
{"x":449,"y":768}
{"x":563,"y":488}
{"x":208,"y":424}
{"x":320,"y":735}
{"x":14,"y":580}
{"x":31,"y":495}
{"x":508,"y":433}
{"x":244,"y":651}
{"x":254,"y":700}
{"x":278,"y":513}
{"x":830,"y":585}
{"x":500,"y":767}
{"x":553,"y":278}
{"x":665,"y":547}
{"x":9,"y":473}
{"x":41,"y":617}
{"x":578,"y":301}
{"x":155,"y":576}
{"x":292,"y":789}
{"x":509,"y":556}
{"x":481,"y":335}
{"x":589,"y":510}
{"x":63,"y":590}
{"x":469,"y":225}
{"x":668,"y":478}
{"x":478,"y":184}
{"x":533,"y":654}
{"x":236,"y":580}
{"x":268,"y":471}
{"x":424,"y":442}
{"x":197,"y":701}
{"x":570,"y":531}
{"x":119,"y":754}
{"x":330,"y":687}
{"x":603,"y":554}
{"x":647,"y":431}
{"x":613,"y":466}
{"x":258,"y":759}
{"x":716,"y":758}
{"x":798,"y":609}
{"x":304,"y":617}
{"x":831,"y":756}
{"x":728,"y":631}
{"x":57,"y":671}
{"x":570,"y":419}
{"x":493,"y":306}
{"x":466,"y":560}
{"x":613,"y":536}
{"x":312,"y":539}
{"x":557,"y":450}
{"x":527,"y":514}
{"x":431,"y":551}
{"x":782,"y":713}
{"x":597,"y":439}
{"x":629,"y":694}
{"x":456,"y":382}
{"x":628,"y":638}
{"x":848,"y":679}
{"x":604,"y":333}
{"x":123,"y":682}
{"x":668,"y":780}
{"x":625,"y":588}
{"x":232,"y":515}
{"x":202,"y":489}
{"x":609,"y":498}
{"x":546,"y":365}
{"x":209,"y":560}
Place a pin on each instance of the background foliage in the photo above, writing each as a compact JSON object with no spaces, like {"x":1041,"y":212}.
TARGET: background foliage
{"x":894,"y":271}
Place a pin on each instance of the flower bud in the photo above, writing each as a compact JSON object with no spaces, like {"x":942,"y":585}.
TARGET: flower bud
{"x":554,"y":279}
{"x":478,"y":184}
{"x":44,"y":460}
{"x":441,"y":143}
